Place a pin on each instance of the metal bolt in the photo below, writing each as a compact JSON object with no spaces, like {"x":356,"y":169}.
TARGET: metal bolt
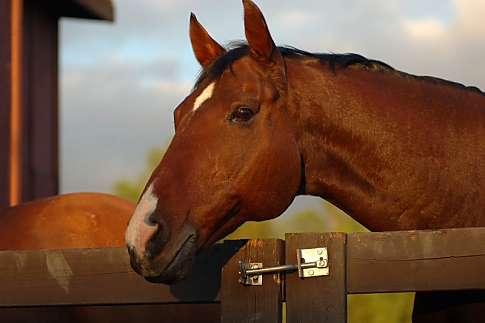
{"x":319,"y":251}
{"x":255,"y":277}
{"x":310,"y":272}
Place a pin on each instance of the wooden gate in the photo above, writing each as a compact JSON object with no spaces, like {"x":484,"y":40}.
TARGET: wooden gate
{"x":372,"y":262}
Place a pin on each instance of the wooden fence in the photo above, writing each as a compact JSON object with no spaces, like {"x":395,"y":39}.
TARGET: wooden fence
{"x":99,"y":285}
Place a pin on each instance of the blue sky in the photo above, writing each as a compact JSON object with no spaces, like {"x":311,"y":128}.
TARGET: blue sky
{"x":121,"y":81}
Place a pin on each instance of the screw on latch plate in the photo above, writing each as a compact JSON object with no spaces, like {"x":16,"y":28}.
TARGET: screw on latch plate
{"x":318,"y":257}
{"x":251,"y":279}
{"x":311,"y":263}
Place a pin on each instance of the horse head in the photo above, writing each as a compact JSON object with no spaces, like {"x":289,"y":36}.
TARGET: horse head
{"x":234,"y":156}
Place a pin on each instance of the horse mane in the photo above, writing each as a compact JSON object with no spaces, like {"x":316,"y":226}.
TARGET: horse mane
{"x":237,"y":50}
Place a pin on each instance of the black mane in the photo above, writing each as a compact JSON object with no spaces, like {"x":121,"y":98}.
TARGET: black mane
{"x":215,"y":69}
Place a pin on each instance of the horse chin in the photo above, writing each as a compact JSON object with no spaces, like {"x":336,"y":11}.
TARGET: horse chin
{"x":172,"y":264}
{"x":173,"y":274}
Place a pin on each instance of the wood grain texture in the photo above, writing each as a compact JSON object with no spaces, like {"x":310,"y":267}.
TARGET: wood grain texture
{"x":179,"y":313}
{"x":448,"y":259}
{"x":253,"y":303}
{"x":101,"y":276}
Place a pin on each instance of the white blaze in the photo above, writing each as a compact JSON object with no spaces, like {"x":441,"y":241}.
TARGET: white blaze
{"x":204,"y":96}
{"x":139,"y":231}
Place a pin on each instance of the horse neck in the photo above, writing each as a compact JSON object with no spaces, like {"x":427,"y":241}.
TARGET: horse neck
{"x":356,"y":128}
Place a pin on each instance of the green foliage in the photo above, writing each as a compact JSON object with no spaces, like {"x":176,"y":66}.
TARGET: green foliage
{"x":380,"y":308}
{"x":371,"y":308}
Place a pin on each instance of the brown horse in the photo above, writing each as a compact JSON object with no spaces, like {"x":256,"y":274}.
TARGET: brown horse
{"x":77,"y":220}
{"x":265,"y":123}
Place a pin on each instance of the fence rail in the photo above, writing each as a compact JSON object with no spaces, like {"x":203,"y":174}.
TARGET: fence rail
{"x":101,"y":281}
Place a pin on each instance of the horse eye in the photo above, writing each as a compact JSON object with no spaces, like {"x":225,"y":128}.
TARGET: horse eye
{"x":243,"y":114}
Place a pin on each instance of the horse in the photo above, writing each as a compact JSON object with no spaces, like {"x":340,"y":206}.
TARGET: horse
{"x":264,"y":124}
{"x":76,"y":220}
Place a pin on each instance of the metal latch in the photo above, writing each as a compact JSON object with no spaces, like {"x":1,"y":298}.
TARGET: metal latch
{"x":311,"y":263}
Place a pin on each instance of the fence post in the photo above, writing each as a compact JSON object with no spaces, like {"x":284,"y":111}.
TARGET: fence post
{"x":253,"y":303}
{"x":317,"y":299}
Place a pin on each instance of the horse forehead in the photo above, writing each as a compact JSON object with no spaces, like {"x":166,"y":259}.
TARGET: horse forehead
{"x":243,"y":76}
{"x":204,"y":96}
{"x":193,"y":102}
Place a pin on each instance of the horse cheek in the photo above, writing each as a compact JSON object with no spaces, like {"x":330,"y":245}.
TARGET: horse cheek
{"x":289,"y":173}
{"x":281,"y":181}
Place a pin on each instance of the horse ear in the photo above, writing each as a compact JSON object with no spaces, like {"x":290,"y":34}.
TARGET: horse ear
{"x":259,"y":39}
{"x":205,"y":48}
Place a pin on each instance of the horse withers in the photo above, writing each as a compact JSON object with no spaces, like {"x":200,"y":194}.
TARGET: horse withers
{"x":264,"y":124}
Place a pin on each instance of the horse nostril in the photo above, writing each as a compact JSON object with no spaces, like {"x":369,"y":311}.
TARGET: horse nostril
{"x":158,"y":240}
{"x":151,"y":220}
{"x":155,"y":219}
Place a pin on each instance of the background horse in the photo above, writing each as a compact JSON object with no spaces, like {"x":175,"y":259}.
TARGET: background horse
{"x":264,"y":124}
{"x":78,"y":220}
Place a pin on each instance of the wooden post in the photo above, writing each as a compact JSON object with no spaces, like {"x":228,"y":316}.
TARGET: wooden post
{"x":5,"y":100}
{"x":16,"y":103}
{"x":317,"y":299}
{"x":39,"y":122}
{"x":242,"y":303}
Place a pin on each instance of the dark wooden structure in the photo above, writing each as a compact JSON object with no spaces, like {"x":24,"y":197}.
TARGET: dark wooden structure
{"x":29,"y":93}
{"x":451,"y":259}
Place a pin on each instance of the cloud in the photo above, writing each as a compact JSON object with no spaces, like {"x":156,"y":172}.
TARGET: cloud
{"x":293,"y":18}
{"x":112,"y":112}
{"x":450,"y":50}
{"x":470,"y":15}
{"x":425,"y":29}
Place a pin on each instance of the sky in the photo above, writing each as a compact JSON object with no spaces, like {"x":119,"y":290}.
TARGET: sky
{"x":121,"y":81}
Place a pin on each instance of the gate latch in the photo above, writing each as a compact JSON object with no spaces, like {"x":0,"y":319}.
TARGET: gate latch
{"x":311,"y":263}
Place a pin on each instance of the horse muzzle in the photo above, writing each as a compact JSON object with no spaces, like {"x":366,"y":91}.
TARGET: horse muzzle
{"x":166,"y":259}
